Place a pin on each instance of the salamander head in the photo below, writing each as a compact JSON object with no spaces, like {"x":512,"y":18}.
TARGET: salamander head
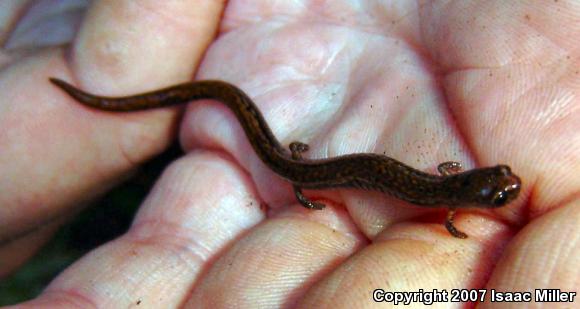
{"x":489,"y":187}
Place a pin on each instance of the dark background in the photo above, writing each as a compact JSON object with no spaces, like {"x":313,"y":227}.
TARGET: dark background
{"x":105,"y":220}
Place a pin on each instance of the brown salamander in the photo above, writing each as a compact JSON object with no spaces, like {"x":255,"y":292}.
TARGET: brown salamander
{"x":488,"y":187}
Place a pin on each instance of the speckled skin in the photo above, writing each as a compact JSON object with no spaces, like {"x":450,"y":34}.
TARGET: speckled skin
{"x":488,"y":187}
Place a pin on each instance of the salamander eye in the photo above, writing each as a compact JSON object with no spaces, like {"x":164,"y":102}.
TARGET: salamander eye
{"x":500,"y":198}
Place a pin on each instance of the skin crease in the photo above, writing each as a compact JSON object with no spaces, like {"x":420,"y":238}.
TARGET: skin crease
{"x":473,"y":80}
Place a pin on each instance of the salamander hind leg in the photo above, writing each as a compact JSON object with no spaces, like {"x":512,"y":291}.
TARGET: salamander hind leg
{"x":449,"y":168}
{"x":297,"y":148}
{"x":446,"y":169}
{"x":305,"y":201}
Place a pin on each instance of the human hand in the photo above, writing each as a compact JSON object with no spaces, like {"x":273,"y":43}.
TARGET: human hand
{"x":424,"y":85}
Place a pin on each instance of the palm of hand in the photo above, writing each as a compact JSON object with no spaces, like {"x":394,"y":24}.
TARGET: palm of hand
{"x":423,"y":84}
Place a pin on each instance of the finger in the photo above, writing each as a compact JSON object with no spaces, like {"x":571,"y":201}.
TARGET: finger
{"x":410,"y":257}
{"x":57,"y":154}
{"x":200,"y":205}
{"x":545,"y":255}
{"x":131,"y":46}
{"x":126,"y":47}
{"x":277,"y":262}
{"x":29,"y":20}
{"x":11,"y":10}
{"x":292,"y":259}
{"x":18,"y":249}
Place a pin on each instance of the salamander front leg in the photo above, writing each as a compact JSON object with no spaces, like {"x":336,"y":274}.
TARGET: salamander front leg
{"x":446,"y":169}
{"x":297,"y":148}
